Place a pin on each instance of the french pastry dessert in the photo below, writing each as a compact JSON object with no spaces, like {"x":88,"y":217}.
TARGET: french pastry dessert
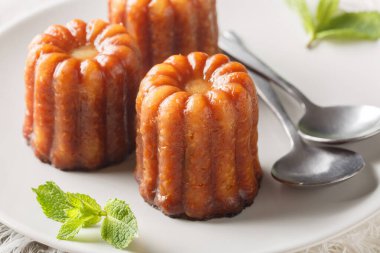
{"x":166,"y":27}
{"x":81,"y":82}
{"x":196,"y":153}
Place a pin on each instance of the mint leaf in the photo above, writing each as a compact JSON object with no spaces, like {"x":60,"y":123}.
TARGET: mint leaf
{"x":76,"y":211}
{"x":328,"y":23}
{"x":304,"y":12}
{"x":349,"y":26}
{"x":70,"y":229}
{"x":83,"y":201}
{"x":53,"y":201}
{"x":84,"y":206}
{"x":73,"y":213}
{"x":326,"y":10}
{"x":119,"y":227}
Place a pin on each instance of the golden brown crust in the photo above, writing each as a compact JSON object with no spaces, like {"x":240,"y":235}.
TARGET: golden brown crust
{"x":197,"y":152}
{"x":92,"y":144}
{"x":61,"y":33}
{"x":43,"y":113}
{"x":171,"y":146}
{"x":213,"y":63}
{"x":137,"y":23}
{"x":94,"y":28}
{"x":76,"y":115}
{"x":198,"y":170}
{"x":182,"y":66}
{"x":244,"y":130}
{"x":186,"y":26}
{"x":223,"y":149}
{"x":166,"y":27}
{"x":33,"y":55}
{"x":65,"y":83}
{"x":129,"y":56}
{"x":116,"y":11}
{"x":148,"y":130}
{"x":77,"y":28}
{"x":161,"y":18}
{"x":197,"y":62}
{"x":207,"y":30}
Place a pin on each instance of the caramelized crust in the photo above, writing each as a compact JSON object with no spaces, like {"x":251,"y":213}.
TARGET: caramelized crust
{"x":166,"y":27}
{"x":170,"y":128}
{"x":65,"y":83}
{"x":198,"y":180}
{"x":197,"y":148}
{"x":81,"y":83}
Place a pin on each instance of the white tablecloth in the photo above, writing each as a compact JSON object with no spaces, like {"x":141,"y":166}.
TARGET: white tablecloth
{"x":363,"y":239}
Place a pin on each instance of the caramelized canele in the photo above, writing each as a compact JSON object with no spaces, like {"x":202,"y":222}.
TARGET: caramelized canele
{"x":197,"y":137}
{"x":81,"y":83}
{"x":166,"y":27}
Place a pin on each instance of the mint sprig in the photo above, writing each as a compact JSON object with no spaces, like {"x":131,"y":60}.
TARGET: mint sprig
{"x":330,"y":22}
{"x":77,"y":211}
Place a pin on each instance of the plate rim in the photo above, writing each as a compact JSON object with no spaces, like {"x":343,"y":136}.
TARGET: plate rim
{"x":24,"y":230}
{"x":4,"y":28}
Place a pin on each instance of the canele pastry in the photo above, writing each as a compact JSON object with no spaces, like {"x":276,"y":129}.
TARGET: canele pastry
{"x":81,"y":83}
{"x":166,"y":27}
{"x":197,"y":137}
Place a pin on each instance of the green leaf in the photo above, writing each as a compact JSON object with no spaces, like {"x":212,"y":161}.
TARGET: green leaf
{"x":349,"y":26}
{"x":73,"y":213}
{"x":53,"y":201}
{"x":70,"y":229}
{"x":84,"y":206}
{"x":76,"y":210}
{"x":119,"y":227}
{"x":83,"y":201}
{"x":326,"y":10}
{"x":304,"y":12}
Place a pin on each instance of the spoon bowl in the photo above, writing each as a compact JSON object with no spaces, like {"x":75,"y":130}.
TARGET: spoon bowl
{"x":339,"y":124}
{"x":313,"y":166}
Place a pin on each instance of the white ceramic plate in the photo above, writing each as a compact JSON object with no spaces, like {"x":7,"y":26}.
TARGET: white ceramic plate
{"x":281,"y":218}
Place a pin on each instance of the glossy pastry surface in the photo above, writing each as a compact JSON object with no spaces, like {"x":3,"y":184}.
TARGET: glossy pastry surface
{"x":197,"y":153}
{"x":81,"y":82}
{"x":166,"y":27}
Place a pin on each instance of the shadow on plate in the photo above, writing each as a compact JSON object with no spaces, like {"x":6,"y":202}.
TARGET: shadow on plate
{"x":276,"y":201}
{"x":139,"y":245}
{"x":368,"y":148}
{"x":121,"y":168}
{"x":89,"y":235}
{"x":92,"y":235}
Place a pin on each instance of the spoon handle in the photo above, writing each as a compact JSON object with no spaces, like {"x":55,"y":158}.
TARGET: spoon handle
{"x":269,"y":96}
{"x":231,"y":44}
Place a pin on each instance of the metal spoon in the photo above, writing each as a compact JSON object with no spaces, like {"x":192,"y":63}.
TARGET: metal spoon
{"x":334,"y":125}
{"x":306,"y":165}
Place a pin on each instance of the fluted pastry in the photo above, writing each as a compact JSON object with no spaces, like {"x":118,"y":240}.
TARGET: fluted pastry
{"x":197,"y":137}
{"x":81,"y":82}
{"x":166,"y":27}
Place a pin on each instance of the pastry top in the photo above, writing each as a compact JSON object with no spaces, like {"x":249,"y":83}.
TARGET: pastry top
{"x":201,"y":74}
{"x":83,"y":41}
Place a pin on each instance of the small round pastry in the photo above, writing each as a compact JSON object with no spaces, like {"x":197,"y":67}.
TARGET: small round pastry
{"x":197,"y":137}
{"x":81,"y":82}
{"x":166,"y":27}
